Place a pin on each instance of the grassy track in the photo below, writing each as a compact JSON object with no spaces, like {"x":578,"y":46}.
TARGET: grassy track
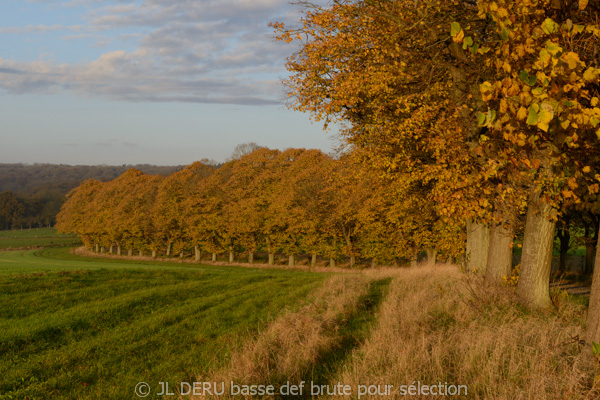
{"x":78,"y":328}
{"x":35,"y":237}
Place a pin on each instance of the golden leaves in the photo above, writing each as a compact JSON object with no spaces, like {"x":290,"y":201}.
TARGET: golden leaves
{"x":583,"y":4}
{"x":456,"y":32}
{"x":572,"y":60}
{"x":541,"y":115}
{"x":487,"y":90}
{"x":549,"y":26}
{"x":591,"y":74}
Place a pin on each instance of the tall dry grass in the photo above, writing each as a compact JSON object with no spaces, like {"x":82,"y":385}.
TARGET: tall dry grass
{"x":438,"y":325}
{"x":290,"y":346}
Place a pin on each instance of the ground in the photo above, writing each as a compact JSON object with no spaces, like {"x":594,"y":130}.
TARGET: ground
{"x":75,"y":327}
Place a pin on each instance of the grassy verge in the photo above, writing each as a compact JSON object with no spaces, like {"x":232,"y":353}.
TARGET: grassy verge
{"x":437,"y":325}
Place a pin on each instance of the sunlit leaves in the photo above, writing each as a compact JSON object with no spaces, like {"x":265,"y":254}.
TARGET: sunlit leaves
{"x":549,"y":26}
{"x":455,"y":29}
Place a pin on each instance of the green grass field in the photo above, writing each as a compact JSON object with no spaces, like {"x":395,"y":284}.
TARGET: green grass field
{"x":74,"y":327}
{"x":36,"y":237}
{"x":78,"y":328}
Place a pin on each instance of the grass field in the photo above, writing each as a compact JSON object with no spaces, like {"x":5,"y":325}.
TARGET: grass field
{"x":74,"y":327}
{"x":29,"y":238}
{"x":81,"y":328}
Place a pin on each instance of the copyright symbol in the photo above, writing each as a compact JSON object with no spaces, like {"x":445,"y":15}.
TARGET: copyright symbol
{"x":142,"y":389}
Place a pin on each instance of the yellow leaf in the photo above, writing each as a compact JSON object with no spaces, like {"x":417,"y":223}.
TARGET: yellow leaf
{"x":545,"y":57}
{"x":522,"y":113}
{"x":594,"y":101}
{"x":459,"y":36}
{"x":583,"y":4}
{"x":543,"y":126}
{"x":586,"y":169}
{"x":572,"y":59}
{"x":487,"y":90}
{"x":590,"y":74}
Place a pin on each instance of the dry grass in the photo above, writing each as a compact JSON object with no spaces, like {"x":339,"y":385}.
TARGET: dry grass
{"x":437,"y":325}
{"x":288,"y":348}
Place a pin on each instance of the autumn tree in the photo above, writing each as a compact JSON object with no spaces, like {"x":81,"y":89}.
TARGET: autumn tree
{"x":404,"y":91}
{"x":249,"y":194}
{"x":77,"y":213}
{"x":169,"y":210}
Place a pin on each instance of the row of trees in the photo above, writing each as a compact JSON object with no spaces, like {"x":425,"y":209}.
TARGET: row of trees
{"x":292,"y":202}
{"x":466,"y":114}
{"x":490,"y":108}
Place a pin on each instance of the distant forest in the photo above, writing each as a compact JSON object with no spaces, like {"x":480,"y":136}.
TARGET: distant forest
{"x":31,"y":194}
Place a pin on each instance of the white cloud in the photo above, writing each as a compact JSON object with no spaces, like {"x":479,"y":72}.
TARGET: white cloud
{"x":207,"y":51}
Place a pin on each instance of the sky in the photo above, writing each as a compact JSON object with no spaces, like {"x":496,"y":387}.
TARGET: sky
{"x":164,"y":82}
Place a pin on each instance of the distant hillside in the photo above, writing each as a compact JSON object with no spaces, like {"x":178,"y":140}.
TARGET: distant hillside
{"x":27,"y":179}
{"x":31,"y":195}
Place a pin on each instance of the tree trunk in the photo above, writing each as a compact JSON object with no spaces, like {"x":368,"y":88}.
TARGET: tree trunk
{"x":313,"y":260}
{"x":102,"y":250}
{"x":352,"y":260}
{"x":181,"y":255}
{"x":590,"y":249}
{"x":118,"y":249}
{"x":414,"y":258}
{"x":168,"y":249}
{"x":270,"y":250}
{"x":250,"y":257}
{"x":153,"y":253}
{"x":534,"y":280}
{"x":141,"y":252}
{"x":478,"y":241}
{"x":332,"y":262}
{"x":373,"y":264}
{"x":590,"y":252}
{"x":500,"y":252}
{"x":231,"y":257}
{"x":564,"y":236}
{"x":130,"y":252}
{"x":97,"y":248}
{"x":196,"y":254}
{"x":214,"y":257}
{"x":291,"y":261}
{"x":593,"y":319}
{"x":431,"y":256}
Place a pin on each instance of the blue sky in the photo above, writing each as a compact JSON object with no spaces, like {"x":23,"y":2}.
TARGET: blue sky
{"x":148,"y":81}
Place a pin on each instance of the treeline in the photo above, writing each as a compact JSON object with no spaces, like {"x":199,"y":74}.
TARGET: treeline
{"x":31,"y":195}
{"x":491,"y":109}
{"x":292,"y":202}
